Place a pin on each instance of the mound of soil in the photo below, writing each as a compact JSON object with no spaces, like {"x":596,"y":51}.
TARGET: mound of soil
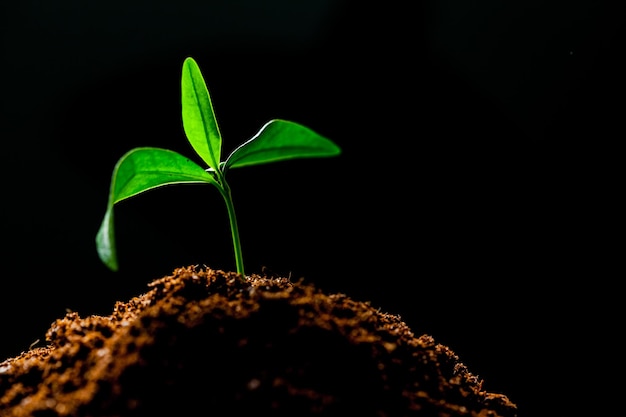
{"x":207,"y":342}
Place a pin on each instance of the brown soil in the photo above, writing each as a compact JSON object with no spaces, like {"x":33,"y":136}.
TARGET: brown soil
{"x":205,"y":342}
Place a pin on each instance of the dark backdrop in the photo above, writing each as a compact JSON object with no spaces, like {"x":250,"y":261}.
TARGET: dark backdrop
{"x":477,"y":194}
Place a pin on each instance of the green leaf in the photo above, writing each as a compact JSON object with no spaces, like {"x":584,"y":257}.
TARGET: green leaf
{"x":199,"y":120}
{"x":139,"y":170}
{"x":280,"y":140}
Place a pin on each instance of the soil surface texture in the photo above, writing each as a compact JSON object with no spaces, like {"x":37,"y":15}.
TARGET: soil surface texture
{"x":205,"y":342}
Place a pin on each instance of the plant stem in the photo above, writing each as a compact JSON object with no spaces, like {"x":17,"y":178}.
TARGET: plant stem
{"x":234,"y":229}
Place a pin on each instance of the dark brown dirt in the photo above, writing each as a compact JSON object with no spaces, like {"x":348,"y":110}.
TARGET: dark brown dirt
{"x":205,"y":342}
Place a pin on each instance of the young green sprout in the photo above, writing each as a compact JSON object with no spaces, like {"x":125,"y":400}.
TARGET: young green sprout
{"x":145,"y":168}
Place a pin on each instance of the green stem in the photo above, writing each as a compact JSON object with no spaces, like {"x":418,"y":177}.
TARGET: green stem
{"x":234,"y":229}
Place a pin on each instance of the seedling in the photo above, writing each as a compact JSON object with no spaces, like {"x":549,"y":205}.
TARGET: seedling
{"x":145,"y":168}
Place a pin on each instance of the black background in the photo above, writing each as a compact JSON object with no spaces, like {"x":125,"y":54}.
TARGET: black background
{"x":477,"y":193}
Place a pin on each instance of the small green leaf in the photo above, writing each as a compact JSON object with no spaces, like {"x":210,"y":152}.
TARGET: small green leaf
{"x":139,"y":170}
{"x":280,"y":140}
{"x":142,"y":169}
{"x":198,"y":117}
{"x":105,"y":241}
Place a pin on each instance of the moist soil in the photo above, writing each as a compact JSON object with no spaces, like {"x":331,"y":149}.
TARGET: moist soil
{"x":204,"y":342}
